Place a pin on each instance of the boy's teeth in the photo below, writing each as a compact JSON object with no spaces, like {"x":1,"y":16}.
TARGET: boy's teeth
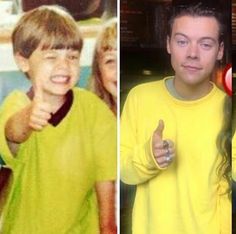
{"x":60,"y":79}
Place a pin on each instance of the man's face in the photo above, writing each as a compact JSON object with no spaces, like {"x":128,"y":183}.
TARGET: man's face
{"x":194,"y":48}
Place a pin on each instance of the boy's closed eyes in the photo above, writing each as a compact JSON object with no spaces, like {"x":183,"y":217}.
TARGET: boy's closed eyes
{"x":54,"y":54}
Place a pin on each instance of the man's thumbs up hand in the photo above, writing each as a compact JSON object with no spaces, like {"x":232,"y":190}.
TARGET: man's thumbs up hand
{"x":163,"y":150}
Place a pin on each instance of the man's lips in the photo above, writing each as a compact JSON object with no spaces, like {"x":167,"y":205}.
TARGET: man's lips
{"x":191,"y":67}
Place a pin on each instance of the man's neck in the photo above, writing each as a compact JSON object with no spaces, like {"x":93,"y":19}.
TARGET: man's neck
{"x":194,"y":92}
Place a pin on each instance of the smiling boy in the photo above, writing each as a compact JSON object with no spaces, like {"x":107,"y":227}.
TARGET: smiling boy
{"x":169,"y":130}
{"x":53,"y":138}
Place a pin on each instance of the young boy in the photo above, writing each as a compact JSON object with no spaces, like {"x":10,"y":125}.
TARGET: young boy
{"x":59,"y":141}
{"x":169,"y":131}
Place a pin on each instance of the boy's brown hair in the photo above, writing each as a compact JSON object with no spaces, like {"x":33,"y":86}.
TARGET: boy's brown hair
{"x":50,"y":27}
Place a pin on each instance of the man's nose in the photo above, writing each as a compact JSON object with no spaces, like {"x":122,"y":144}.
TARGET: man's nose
{"x":193,"y":51}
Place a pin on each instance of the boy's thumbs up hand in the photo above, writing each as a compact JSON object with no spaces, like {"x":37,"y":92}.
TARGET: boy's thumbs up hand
{"x":163,"y":150}
{"x":40,"y":111}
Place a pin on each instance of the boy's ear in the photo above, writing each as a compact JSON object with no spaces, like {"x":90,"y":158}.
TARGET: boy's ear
{"x":22,"y":62}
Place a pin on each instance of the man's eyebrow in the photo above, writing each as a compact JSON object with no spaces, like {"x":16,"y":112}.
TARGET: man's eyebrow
{"x":200,"y":39}
{"x":180,"y":34}
{"x":208,"y":38}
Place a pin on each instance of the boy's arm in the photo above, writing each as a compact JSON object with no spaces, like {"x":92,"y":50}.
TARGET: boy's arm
{"x":106,"y":201}
{"x":17,"y":129}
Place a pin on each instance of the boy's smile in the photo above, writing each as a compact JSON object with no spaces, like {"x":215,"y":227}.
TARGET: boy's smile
{"x":60,"y":79}
{"x":54,"y":70}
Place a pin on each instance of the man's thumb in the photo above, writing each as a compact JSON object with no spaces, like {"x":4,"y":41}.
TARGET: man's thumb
{"x":160,"y":128}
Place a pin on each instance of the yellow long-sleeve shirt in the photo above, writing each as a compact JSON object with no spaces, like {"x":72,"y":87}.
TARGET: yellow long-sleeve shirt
{"x":184,"y":198}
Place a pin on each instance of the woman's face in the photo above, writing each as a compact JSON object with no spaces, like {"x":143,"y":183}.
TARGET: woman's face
{"x":108,"y":66}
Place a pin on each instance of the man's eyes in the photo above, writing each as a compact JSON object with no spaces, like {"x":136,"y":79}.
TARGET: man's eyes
{"x":206,"y":46}
{"x":203,"y":45}
{"x":182,"y":43}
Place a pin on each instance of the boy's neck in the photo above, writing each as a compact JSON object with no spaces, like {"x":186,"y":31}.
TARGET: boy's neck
{"x":55,"y":101}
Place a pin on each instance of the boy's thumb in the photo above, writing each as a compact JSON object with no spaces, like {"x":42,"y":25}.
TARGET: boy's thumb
{"x":38,"y":91}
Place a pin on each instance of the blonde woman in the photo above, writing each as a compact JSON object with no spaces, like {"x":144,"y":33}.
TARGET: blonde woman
{"x":104,"y":76}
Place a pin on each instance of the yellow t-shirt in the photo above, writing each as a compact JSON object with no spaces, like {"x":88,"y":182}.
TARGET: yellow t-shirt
{"x":55,"y":170}
{"x":184,"y":198}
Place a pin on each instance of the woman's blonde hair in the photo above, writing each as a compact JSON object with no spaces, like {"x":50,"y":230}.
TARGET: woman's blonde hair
{"x":51,"y":27}
{"x":107,"y":40}
{"x":224,"y":141}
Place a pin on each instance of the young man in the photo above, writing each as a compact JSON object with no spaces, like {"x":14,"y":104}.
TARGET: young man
{"x":59,"y":141}
{"x":169,"y":130}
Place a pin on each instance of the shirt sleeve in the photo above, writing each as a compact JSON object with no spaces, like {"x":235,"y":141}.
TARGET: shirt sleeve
{"x":11,"y":105}
{"x":137,"y":162}
{"x":105,"y":142}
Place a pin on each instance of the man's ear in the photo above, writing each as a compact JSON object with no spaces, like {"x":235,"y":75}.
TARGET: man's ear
{"x":22,"y":62}
{"x":168,"y":44}
{"x":221,"y":51}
